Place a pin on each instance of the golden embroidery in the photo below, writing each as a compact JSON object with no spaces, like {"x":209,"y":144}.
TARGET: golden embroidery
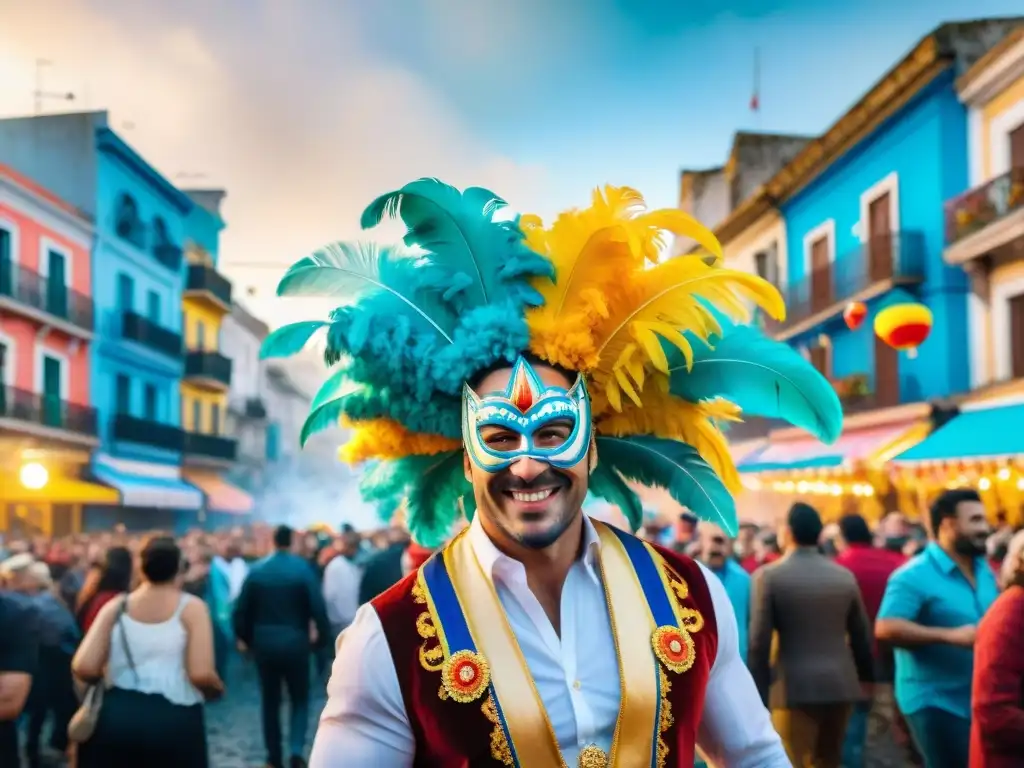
{"x":592,"y":757}
{"x":691,"y":619}
{"x":500,"y":749}
{"x":465,"y":676}
{"x":665,"y":719}
{"x":431,"y":654}
{"x":675,"y":648}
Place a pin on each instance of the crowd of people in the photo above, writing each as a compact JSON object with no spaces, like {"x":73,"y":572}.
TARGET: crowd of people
{"x":859,"y":640}
{"x":163,"y":623}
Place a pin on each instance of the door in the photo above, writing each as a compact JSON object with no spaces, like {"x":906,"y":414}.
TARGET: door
{"x":821,"y":275}
{"x":5,"y":354}
{"x":6,"y":263}
{"x":197,"y":416}
{"x":200,"y":335}
{"x":153,"y":307}
{"x":887,"y":375}
{"x":52,"y":375}
{"x":123,"y":394}
{"x":149,"y":403}
{"x":56,"y":284}
{"x":1017,"y":147}
{"x":880,"y":237}
{"x":215,"y":419}
{"x":1017,"y":336}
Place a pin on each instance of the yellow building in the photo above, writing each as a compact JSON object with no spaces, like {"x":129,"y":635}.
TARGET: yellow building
{"x":985,"y":225}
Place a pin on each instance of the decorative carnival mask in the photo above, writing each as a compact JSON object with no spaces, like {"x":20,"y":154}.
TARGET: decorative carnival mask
{"x":534,"y":414}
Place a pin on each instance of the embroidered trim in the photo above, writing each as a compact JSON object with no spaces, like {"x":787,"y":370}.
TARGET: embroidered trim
{"x":592,"y":756}
{"x":465,"y":676}
{"x":431,"y":654}
{"x":500,"y":749}
{"x":674,"y":648}
{"x":666,"y":719}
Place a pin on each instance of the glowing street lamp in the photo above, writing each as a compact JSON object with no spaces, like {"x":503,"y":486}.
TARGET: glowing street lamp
{"x":34,"y":476}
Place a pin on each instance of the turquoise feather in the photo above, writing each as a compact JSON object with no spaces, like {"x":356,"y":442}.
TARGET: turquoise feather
{"x":762,"y":376}
{"x":678,"y":468}
{"x":289,"y":339}
{"x":606,"y":483}
{"x":327,"y":413}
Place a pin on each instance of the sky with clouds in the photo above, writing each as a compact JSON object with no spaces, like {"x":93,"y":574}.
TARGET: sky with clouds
{"x":304,"y":110}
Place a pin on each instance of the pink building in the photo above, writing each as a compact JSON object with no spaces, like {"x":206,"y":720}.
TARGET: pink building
{"x":46,"y":322}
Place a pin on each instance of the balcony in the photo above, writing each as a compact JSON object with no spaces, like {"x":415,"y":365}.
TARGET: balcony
{"x":130,"y":229}
{"x":29,"y":410}
{"x":169,"y":255}
{"x":137,"y":328}
{"x":986,"y":218}
{"x":255,"y":408}
{"x":28,"y":292}
{"x":198,"y":445}
{"x":204,"y":281}
{"x":209,"y":369}
{"x":871,"y":269}
{"x":131,"y":429}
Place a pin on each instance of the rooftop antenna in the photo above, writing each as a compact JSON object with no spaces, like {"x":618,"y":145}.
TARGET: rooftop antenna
{"x":40,"y":93}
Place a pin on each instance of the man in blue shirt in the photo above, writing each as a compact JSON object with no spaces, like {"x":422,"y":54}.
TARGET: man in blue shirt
{"x":930,"y":612}
{"x":716,"y":553}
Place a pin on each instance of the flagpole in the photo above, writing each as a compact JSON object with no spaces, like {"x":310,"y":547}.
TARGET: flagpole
{"x":755,"y":99}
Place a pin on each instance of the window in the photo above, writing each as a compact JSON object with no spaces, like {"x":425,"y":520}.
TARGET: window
{"x":6,"y":261}
{"x":125,"y":292}
{"x":766,"y":263}
{"x":197,"y":416}
{"x":1017,"y":147}
{"x":51,"y":390}
{"x":122,"y":394}
{"x":149,"y":402}
{"x":200,"y":335}
{"x":215,"y":419}
{"x":1017,"y":336}
{"x":56,"y":283}
{"x":273,"y":440}
{"x":153,"y":307}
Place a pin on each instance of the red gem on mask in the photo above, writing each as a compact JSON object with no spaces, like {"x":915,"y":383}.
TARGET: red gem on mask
{"x":522,"y":392}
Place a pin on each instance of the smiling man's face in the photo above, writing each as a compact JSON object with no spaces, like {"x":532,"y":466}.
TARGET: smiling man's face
{"x":531,"y":502}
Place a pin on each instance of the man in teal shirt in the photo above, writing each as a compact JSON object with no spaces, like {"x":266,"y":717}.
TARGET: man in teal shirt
{"x":929,"y":614}
{"x":716,"y":552}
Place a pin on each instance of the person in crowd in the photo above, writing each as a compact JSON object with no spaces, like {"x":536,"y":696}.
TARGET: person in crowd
{"x":233,"y":565}
{"x":716,"y":553}
{"x":824,"y":642}
{"x":892,"y":532}
{"x":154,"y":648}
{"x":743,"y":547}
{"x":52,"y":690}
{"x":765,"y":551}
{"x":929,"y":614}
{"x":997,"y":690}
{"x":341,"y":582}
{"x":384,"y":569}
{"x":684,"y":532}
{"x":106,"y":581}
{"x":19,"y":651}
{"x":279,"y":602}
{"x":212,"y":585}
{"x":871,"y":566}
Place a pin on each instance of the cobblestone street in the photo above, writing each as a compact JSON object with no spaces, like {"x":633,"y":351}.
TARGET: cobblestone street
{"x":233,"y":724}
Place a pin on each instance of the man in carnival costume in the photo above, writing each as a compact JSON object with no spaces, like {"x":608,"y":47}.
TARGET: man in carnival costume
{"x":501,"y":369}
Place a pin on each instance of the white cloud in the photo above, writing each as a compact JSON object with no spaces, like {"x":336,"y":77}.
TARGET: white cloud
{"x":282,"y":103}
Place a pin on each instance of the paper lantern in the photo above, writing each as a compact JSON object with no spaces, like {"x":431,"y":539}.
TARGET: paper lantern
{"x":904,"y":326}
{"x":854,"y":314}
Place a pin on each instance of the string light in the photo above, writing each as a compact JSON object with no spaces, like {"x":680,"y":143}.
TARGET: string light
{"x":984,"y":484}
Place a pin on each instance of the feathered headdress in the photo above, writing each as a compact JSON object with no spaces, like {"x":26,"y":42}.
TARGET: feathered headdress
{"x":661,"y":343}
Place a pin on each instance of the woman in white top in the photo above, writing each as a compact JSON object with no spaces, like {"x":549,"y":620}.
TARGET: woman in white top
{"x":154,"y":648}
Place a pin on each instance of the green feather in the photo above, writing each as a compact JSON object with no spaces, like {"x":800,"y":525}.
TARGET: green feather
{"x":762,"y":376}
{"x":678,"y":468}
{"x":432,"y":503}
{"x":327,"y":413}
{"x":606,"y":483}
{"x":289,"y":339}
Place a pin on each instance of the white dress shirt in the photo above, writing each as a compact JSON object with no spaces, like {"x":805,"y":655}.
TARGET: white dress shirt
{"x":365,"y":725}
{"x":236,"y":571}
{"x":341,"y":590}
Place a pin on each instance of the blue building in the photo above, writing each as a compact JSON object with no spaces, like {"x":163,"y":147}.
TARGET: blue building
{"x":862,"y":207}
{"x":139,"y":276}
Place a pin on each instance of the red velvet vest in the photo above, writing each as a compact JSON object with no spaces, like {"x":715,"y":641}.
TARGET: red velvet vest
{"x":450,"y":734}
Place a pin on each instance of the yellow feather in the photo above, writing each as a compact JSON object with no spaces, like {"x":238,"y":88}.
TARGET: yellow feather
{"x":386,"y":439}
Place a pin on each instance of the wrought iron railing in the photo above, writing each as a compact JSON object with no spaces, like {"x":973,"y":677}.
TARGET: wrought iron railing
{"x":47,"y":411}
{"x":28,"y":287}
{"x":977,"y":208}
{"x":147,"y":432}
{"x":204,"y":278}
{"x":213,"y":446}
{"x":208,"y":365}
{"x":138,"y":328}
{"x":169,"y":255}
{"x":896,"y":256}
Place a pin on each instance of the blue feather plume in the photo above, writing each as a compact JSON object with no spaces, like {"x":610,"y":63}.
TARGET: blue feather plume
{"x":606,"y":483}
{"x":678,"y":468}
{"x":762,"y":376}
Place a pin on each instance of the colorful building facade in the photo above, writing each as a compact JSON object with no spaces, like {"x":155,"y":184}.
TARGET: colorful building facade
{"x":862,"y":207}
{"x":137,"y":360}
{"x":48,"y":427}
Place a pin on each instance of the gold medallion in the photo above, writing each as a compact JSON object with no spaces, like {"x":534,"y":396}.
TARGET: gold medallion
{"x":465,"y":676}
{"x":592,"y":756}
{"x":675,"y":648}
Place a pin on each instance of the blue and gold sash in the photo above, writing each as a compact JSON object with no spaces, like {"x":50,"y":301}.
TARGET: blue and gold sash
{"x":483,"y":659}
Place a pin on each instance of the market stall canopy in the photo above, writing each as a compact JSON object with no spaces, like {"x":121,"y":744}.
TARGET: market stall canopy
{"x":869,"y":444}
{"x":221,"y":496}
{"x":983,"y":430}
{"x":59,"y":489}
{"x":143,"y":484}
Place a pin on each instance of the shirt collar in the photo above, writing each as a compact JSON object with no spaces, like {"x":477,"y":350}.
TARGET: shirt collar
{"x":945,"y":563}
{"x":501,"y":567}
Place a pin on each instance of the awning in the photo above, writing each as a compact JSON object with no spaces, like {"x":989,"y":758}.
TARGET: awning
{"x":144,"y":484}
{"x":221,"y":496}
{"x":876,"y":444}
{"x":59,"y":489}
{"x":980,"y":431}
